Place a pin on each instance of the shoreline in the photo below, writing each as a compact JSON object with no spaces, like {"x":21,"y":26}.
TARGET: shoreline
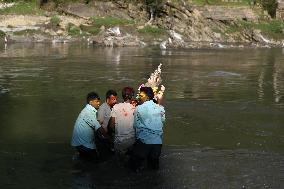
{"x":186,"y":45}
{"x":179,"y":26}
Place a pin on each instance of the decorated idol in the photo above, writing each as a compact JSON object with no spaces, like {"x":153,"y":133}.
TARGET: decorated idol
{"x":154,"y":82}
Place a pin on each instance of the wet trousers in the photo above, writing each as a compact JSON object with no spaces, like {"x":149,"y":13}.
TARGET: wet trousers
{"x":142,"y":152}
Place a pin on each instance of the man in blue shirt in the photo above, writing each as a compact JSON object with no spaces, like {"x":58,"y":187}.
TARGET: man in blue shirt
{"x":148,"y":124}
{"x":83,"y":138}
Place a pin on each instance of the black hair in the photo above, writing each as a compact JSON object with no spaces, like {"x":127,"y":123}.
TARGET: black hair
{"x":92,"y":96}
{"x":148,"y":91}
{"x":110,"y":92}
{"x":127,"y":93}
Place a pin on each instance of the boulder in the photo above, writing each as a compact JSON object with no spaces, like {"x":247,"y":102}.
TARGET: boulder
{"x":228,"y":13}
{"x":96,"y":8}
{"x":110,"y":39}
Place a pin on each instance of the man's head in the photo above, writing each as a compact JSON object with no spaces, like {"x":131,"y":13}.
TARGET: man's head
{"x":127,"y":93}
{"x":93,"y":99}
{"x":111,"y":97}
{"x":146,"y":93}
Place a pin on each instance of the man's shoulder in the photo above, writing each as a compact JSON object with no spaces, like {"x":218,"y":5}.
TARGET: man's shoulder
{"x":104,"y":106}
{"x":123,"y":105}
{"x":150,"y":104}
{"x":88,"y":111}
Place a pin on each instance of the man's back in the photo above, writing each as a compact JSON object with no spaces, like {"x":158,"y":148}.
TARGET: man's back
{"x":104,"y":115}
{"x":124,"y":131}
{"x":86,"y":123}
{"x":149,"y":118}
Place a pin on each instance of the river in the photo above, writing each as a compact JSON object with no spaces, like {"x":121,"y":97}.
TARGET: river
{"x":224,"y":115}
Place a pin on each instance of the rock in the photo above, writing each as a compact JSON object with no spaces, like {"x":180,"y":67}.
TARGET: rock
{"x":115,"y":31}
{"x":228,"y":13}
{"x":217,"y":35}
{"x":6,"y":5}
{"x":102,"y":28}
{"x":94,"y":8}
{"x":117,"y":41}
{"x":175,"y":35}
{"x":60,"y":32}
{"x":257,"y":36}
{"x":186,"y":24}
{"x":78,"y":9}
{"x":140,"y":27}
{"x":163,"y":45}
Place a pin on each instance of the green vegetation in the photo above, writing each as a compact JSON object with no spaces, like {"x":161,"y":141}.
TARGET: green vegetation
{"x":217,"y":30}
{"x":96,"y":24}
{"x":154,"y":6}
{"x":152,"y":30}
{"x":268,"y":5}
{"x":55,"y":21}
{"x":273,"y":29}
{"x":90,"y":29}
{"x":109,"y":21}
{"x":24,"y":8}
{"x":26,"y":32}
{"x":73,"y":30}
{"x":2,"y":34}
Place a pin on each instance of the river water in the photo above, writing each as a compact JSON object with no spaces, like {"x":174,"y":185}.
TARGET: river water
{"x":224,"y":110}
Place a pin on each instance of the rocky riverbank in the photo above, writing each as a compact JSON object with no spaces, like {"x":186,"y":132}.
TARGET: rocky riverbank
{"x":125,"y":24}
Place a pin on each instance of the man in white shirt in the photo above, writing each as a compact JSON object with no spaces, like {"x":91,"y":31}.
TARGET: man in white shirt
{"x":121,"y":122}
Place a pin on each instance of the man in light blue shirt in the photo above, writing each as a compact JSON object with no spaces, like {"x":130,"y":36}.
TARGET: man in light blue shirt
{"x":83,"y":138}
{"x":148,"y":124}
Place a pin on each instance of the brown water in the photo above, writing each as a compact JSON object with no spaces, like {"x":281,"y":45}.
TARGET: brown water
{"x":224,"y":109}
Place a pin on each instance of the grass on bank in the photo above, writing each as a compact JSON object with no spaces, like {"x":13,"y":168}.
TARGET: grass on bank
{"x":90,"y":29}
{"x":152,"y":30}
{"x":95,"y":27}
{"x":55,"y":21}
{"x":26,"y":32}
{"x":2,"y":34}
{"x":96,"y":23}
{"x":74,"y":30}
{"x":23,"y":8}
{"x":273,"y":29}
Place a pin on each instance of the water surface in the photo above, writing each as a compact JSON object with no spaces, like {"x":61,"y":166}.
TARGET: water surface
{"x":224,"y":110}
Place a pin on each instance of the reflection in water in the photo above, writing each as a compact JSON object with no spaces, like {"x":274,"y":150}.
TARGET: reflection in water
{"x":270,"y":73}
{"x":276,"y":85}
{"x":113,"y":54}
{"x":224,"y":107}
{"x":260,"y":85}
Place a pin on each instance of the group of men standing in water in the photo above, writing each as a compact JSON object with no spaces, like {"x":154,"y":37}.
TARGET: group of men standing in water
{"x":133,"y":127}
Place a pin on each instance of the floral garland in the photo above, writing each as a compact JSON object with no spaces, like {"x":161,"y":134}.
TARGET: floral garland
{"x":154,"y":81}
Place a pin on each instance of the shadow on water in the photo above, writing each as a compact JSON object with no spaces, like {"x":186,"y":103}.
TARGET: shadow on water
{"x":224,"y":112}
{"x":179,"y":168}
{"x":184,"y":168}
